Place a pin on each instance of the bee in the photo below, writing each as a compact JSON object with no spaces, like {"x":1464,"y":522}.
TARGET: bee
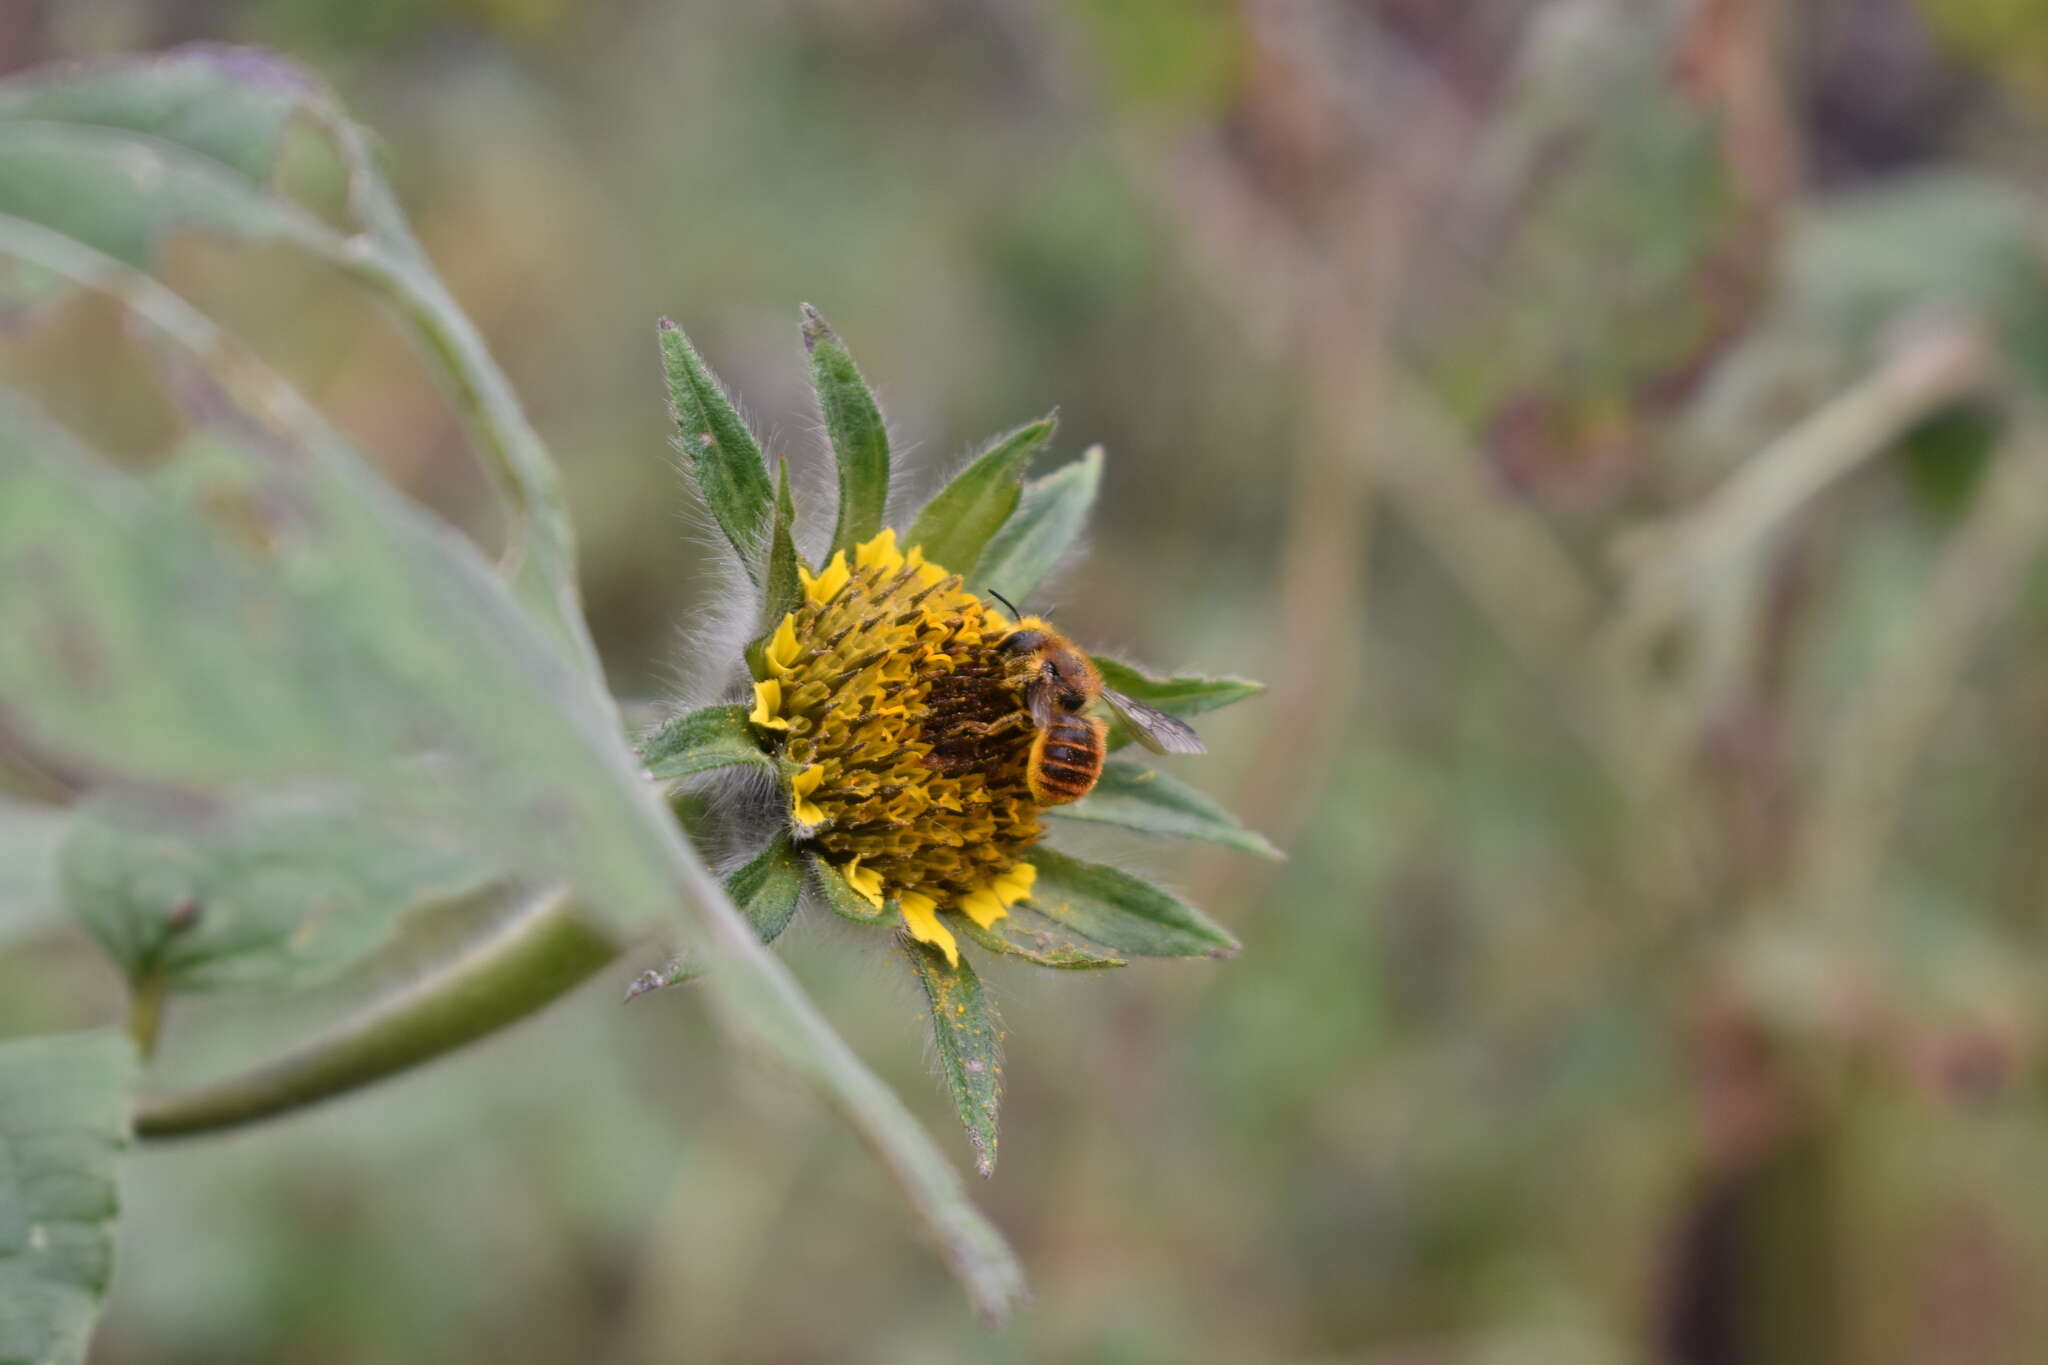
{"x":1058,"y":685}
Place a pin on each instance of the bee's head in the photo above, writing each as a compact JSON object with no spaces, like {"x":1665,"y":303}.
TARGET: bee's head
{"x":1074,"y":679}
{"x":1024,"y":641}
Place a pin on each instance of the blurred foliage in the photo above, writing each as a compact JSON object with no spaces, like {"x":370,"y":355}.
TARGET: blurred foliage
{"x":2010,"y":37}
{"x":1656,"y":967}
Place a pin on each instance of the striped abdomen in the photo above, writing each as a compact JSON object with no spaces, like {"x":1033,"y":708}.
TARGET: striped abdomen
{"x":1066,"y":758}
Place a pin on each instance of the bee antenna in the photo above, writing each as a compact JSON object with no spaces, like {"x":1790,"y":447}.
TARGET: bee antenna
{"x":1005,"y":601}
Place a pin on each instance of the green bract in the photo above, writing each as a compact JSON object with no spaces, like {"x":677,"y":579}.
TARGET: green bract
{"x":894,"y":722}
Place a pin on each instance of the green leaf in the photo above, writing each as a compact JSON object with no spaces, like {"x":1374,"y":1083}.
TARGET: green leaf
{"x":1048,"y":520}
{"x":80,"y":181}
{"x":956,"y":525}
{"x":119,"y":153}
{"x":63,"y":1129}
{"x":859,"y":440}
{"x":970,"y":1044}
{"x":230,"y":105}
{"x":1181,"y":696}
{"x":1140,"y":797}
{"x":271,"y":895}
{"x":844,"y":901}
{"x":28,"y":294}
{"x":767,"y":889}
{"x":29,"y":838}
{"x":1122,"y":912}
{"x":698,"y":741}
{"x":265,"y":609}
{"x":718,"y":450}
{"x":784,"y":590}
{"x":783,"y":593}
{"x":1184,"y":696}
{"x":1026,"y":933}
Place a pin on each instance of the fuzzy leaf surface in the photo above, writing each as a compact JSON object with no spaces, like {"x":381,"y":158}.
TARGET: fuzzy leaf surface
{"x":698,"y":741}
{"x":79,"y":180}
{"x":1049,"y":518}
{"x":30,"y":835}
{"x":1140,"y":797}
{"x":843,"y":900}
{"x":970,"y":1044}
{"x":783,"y":592}
{"x":64,"y":1106}
{"x":958,"y":523}
{"x":860,"y":441}
{"x":1037,"y":938}
{"x":768,"y":887}
{"x":119,"y":153}
{"x":1122,"y":912}
{"x":275,"y":894}
{"x":719,"y":451}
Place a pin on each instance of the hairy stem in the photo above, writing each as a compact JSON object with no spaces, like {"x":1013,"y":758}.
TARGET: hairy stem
{"x":530,"y":960}
{"x":146,"y":1012}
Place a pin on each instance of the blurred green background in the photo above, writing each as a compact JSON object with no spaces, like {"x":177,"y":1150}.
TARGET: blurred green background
{"x":1656,"y":971}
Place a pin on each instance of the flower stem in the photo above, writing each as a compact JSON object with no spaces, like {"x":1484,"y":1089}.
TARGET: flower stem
{"x":146,"y":1012}
{"x":533,"y":958}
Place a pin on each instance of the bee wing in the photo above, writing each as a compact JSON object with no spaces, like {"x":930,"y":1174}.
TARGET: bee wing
{"x":1038,"y":700}
{"x":1157,"y":731}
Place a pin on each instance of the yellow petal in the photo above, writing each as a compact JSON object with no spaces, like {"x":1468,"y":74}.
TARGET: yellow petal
{"x":865,"y":881}
{"x":826,"y":585}
{"x":767,"y":702}
{"x":801,"y":786}
{"x":927,"y":572}
{"x":982,"y":906}
{"x":881,"y":552}
{"x":920,"y":913}
{"x":782,"y":648}
{"x":1015,"y":885}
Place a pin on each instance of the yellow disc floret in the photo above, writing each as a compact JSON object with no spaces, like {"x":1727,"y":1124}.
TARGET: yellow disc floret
{"x":885,"y":693}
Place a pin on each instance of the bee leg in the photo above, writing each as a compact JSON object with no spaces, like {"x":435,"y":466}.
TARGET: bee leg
{"x":989,"y":729}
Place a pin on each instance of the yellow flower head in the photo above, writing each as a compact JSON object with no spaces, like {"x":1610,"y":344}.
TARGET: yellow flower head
{"x":899,"y":730}
{"x":886,"y":679}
